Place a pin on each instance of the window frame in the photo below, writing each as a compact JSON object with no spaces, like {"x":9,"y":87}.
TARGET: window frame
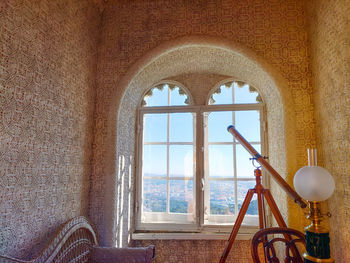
{"x":199,"y":174}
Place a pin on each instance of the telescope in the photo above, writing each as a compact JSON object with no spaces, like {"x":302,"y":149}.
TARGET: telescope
{"x":261,"y":193}
{"x":260,"y":159}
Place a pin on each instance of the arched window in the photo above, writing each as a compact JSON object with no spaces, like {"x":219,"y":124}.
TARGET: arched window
{"x":192,"y":174}
{"x":228,"y":172}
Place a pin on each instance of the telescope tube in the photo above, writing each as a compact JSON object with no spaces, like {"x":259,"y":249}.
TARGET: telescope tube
{"x":297,"y":199}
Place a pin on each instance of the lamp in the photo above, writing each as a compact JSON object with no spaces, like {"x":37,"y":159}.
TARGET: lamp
{"x":315,"y":184}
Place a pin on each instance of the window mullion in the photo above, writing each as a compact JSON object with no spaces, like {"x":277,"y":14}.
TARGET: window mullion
{"x":206,"y":192}
{"x":234,"y":156}
{"x":168,"y":158}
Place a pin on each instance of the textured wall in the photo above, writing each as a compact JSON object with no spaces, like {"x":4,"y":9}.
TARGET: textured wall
{"x":47,"y":79}
{"x":274,"y":31}
{"x":201,"y":251}
{"x":330,"y":52}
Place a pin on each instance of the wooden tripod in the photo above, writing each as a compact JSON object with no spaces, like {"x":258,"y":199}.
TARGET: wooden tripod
{"x":261,"y":192}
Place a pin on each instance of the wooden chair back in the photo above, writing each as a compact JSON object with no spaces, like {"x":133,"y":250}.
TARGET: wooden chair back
{"x":270,"y":239}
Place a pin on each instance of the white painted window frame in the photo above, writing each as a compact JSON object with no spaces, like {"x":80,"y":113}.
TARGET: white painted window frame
{"x":198,"y":226}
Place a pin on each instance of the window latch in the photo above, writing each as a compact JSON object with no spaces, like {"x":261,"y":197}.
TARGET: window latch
{"x":202,"y":184}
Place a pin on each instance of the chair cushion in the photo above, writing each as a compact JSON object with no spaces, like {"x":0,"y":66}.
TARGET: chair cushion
{"x":116,"y":255}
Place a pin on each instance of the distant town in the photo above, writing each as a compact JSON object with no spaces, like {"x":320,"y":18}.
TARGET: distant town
{"x":222,"y":201}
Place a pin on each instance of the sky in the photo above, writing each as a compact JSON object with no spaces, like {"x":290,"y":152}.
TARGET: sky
{"x":181,"y":133}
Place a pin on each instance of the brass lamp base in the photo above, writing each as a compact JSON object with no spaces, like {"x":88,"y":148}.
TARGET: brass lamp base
{"x":317,"y":237}
{"x":310,"y":259}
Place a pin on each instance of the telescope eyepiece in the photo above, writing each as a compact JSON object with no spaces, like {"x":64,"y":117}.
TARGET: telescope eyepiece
{"x":229,"y":127}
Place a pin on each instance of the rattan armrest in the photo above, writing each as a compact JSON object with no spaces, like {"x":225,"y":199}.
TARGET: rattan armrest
{"x":5,"y":259}
{"x":130,"y":255}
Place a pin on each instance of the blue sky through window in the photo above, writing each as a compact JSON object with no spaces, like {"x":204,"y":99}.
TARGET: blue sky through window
{"x":165,"y":95}
{"x":181,"y":160}
{"x":234,"y":93}
{"x":181,"y":127}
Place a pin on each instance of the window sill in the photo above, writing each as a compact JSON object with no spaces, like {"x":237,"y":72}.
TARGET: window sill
{"x":189,"y":236}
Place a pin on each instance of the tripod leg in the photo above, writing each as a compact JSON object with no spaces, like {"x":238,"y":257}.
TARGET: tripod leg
{"x":274,"y":209}
{"x":261,"y":210}
{"x":276,"y":212}
{"x":262,"y":219}
{"x":237,"y":224}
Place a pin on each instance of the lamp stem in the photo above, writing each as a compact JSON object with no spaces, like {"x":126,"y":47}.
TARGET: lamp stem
{"x":312,"y":156}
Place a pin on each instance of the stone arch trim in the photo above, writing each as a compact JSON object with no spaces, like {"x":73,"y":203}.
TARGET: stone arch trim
{"x":122,"y":117}
{"x":222,"y":82}
{"x":187,"y":41}
{"x":168,"y":81}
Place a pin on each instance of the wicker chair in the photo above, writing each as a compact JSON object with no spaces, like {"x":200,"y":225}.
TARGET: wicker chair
{"x":291,"y":239}
{"x":76,"y":242}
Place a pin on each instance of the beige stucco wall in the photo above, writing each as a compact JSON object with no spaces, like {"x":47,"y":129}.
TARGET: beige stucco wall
{"x":329,"y":25}
{"x":47,"y":80}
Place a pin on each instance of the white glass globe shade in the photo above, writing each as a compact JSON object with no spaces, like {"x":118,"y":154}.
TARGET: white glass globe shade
{"x":314,"y":183}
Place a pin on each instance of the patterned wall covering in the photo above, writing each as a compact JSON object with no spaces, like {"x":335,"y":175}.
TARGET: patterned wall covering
{"x":201,"y":251}
{"x":330,"y":51}
{"x":273,"y":30}
{"x":47,"y":79}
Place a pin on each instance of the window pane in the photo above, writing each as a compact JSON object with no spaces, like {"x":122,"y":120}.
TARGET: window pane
{"x":217,"y":126}
{"x":220,"y":160}
{"x":154,"y":160}
{"x":181,"y":196}
{"x":178,"y":97}
{"x":242,"y":189}
{"x":154,"y":195}
{"x":155,"y":127}
{"x":223,"y":97}
{"x":181,"y":160}
{"x":248,"y":125}
{"x":181,"y":127}
{"x":245,"y":167}
{"x":222,"y":200}
{"x":243,"y":95}
{"x":158,"y":96}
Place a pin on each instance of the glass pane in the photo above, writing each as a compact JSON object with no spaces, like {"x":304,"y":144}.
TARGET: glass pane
{"x":224,"y":97}
{"x":181,"y":160}
{"x":155,"y":127}
{"x":154,"y":160}
{"x":154,"y":195}
{"x":158,"y":96}
{"x":181,"y":196}
{"x":242,"y":189}
{"x":178,"y":97}
{"x":245,"y":167}
{"x":217,"y":126}
{"x":220,"y":160}
{"x":181,"y":127}
{"x":248,"y":125}
{"x":243,"y":95}
{"x":222,"y":201}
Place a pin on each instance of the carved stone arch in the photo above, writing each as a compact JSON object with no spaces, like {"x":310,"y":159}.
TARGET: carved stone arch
{"x":168,"y":81}
{"x":197,"y":55}
{"x":229,"y":80}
